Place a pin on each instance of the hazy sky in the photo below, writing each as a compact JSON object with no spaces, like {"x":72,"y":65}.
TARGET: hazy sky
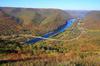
{"x":60,"y":4}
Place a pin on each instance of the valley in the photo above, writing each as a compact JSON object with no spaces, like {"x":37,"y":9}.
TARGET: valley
{"x":62,"y":43}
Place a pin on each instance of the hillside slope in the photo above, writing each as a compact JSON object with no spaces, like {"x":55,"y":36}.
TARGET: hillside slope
{"x":38,"y":21}
{"x":8,"y":25}
{"x":92,"y":20}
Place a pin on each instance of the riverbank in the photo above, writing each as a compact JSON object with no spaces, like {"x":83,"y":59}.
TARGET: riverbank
{"x":60,"y":29}
{"x":53,"y":53}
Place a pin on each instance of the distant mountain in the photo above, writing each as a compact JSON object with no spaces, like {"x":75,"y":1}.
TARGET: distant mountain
{"x":34,"y":20}
{"x":77,"y":13}
{"x":92,"y":20}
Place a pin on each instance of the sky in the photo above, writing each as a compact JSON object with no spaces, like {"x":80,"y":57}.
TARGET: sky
{"x":58,"y":4}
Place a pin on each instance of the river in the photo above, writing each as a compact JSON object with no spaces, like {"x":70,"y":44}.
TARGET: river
{"x":60,"y":29}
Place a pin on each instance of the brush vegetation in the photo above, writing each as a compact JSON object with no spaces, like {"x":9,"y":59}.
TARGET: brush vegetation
{"x":83,"y":51}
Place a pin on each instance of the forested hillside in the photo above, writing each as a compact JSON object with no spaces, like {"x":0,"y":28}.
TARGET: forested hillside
{"x":35,"y":21}
{"x":92,"y":20}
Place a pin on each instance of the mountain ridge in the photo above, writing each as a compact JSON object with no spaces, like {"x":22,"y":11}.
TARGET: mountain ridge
{"x":37,"y":20}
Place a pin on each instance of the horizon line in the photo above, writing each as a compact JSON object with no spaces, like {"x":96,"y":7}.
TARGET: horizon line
{"x":50,"y":8}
